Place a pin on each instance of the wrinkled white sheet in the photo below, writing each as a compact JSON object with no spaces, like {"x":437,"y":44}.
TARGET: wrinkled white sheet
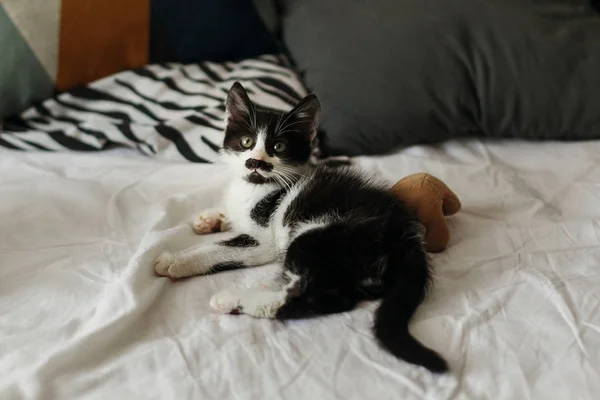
{"x":515,"y":309}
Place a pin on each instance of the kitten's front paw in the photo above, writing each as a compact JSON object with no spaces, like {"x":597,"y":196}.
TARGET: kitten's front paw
{"x":167,"y":265}
{"x":226,"y":302}
{"x":210,"y":221}
{"x":163,"y":263}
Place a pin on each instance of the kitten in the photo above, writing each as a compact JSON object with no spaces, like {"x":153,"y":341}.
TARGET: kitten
{"x":338,"y":236}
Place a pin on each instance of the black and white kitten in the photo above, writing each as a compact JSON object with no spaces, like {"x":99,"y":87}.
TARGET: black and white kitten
{"x":339,"y":237}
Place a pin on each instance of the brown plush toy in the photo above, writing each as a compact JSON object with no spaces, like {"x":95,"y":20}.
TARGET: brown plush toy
{"x":431,"y":200}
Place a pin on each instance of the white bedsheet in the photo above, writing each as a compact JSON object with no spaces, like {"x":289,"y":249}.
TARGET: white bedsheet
{"x":515,"y":309}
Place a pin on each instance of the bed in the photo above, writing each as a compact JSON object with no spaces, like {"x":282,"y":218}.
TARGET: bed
{"x":95,"y":182}
{"x":515,"y":308}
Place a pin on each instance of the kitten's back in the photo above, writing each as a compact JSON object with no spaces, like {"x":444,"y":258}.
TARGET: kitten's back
{"x":341,"y":193}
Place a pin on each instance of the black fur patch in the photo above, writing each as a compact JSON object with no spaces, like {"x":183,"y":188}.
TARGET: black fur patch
{"x":340,"y":191}
{"x":264,"y":209}
{"x":251,"y":163}
{"x":257,"y":178}
{"x":371,"y":238}
{"x":227,"y":266}
{"x":240,"y":241}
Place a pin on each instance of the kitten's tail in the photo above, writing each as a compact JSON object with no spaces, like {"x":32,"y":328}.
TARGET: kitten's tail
{"x":398,"y":305}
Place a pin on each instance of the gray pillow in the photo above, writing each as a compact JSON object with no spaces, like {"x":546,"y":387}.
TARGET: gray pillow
{"x":392,"y":73}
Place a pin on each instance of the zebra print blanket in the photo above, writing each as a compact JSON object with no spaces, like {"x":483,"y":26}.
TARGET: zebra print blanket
{"x":173,"y":111}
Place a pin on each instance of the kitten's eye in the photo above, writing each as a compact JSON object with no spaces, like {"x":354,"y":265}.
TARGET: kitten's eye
{"x":279,"y":147}
{"x":247,"y":142}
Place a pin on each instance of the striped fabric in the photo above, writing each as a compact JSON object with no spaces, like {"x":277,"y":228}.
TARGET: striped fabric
{"x":173,"y":111}
{"x":50,"y":46}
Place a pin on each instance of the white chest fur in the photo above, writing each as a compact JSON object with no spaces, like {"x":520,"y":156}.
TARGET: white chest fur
{"x":240,"y":198}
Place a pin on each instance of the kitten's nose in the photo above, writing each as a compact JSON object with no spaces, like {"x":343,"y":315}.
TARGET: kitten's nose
{"x":253,"y":163}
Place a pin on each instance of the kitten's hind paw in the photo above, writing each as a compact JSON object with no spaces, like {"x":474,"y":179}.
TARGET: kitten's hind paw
{"x":226,"y":302}
{"x":254,"y":301}
{"x":210,"y":221}
{"x":168,"y":265}
{"x":163,"y":262}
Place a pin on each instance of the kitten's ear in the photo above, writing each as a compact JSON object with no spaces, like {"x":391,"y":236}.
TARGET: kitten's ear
{"x":308,"y":112}
{"x":238,"y":103}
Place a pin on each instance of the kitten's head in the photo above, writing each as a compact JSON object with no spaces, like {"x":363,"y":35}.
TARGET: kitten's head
{"x":267,"y":146}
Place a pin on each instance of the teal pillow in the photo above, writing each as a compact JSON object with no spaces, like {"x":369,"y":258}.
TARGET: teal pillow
{"x":23,"y":78}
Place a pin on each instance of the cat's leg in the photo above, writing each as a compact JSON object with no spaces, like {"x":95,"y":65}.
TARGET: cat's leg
{"x":256,"y":302}
{"x":282,"y":301}
{"x":317,"y":267}
{"x":210,"y":221}
{"x":261,"y":301}
{"x":317,"y":303}
{"x":311,"y":283}
{"x":238,"y":252}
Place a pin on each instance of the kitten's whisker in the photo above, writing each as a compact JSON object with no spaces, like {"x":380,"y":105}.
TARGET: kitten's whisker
{"x":297,"y":121}
{"x":283,"y":128}
{"x":290,"y":172}
{"x":289,"y":169}
{"x":248,"y":125}
{"x":285,"y":175}
{"x":284,"y":121}
{"x":289,"y":182}
{"x":277,"y":179}
{"x":253,"y":115}
{"x":281,"y":181}
{"x":290,"y":179}
{"x":281,"y":114}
